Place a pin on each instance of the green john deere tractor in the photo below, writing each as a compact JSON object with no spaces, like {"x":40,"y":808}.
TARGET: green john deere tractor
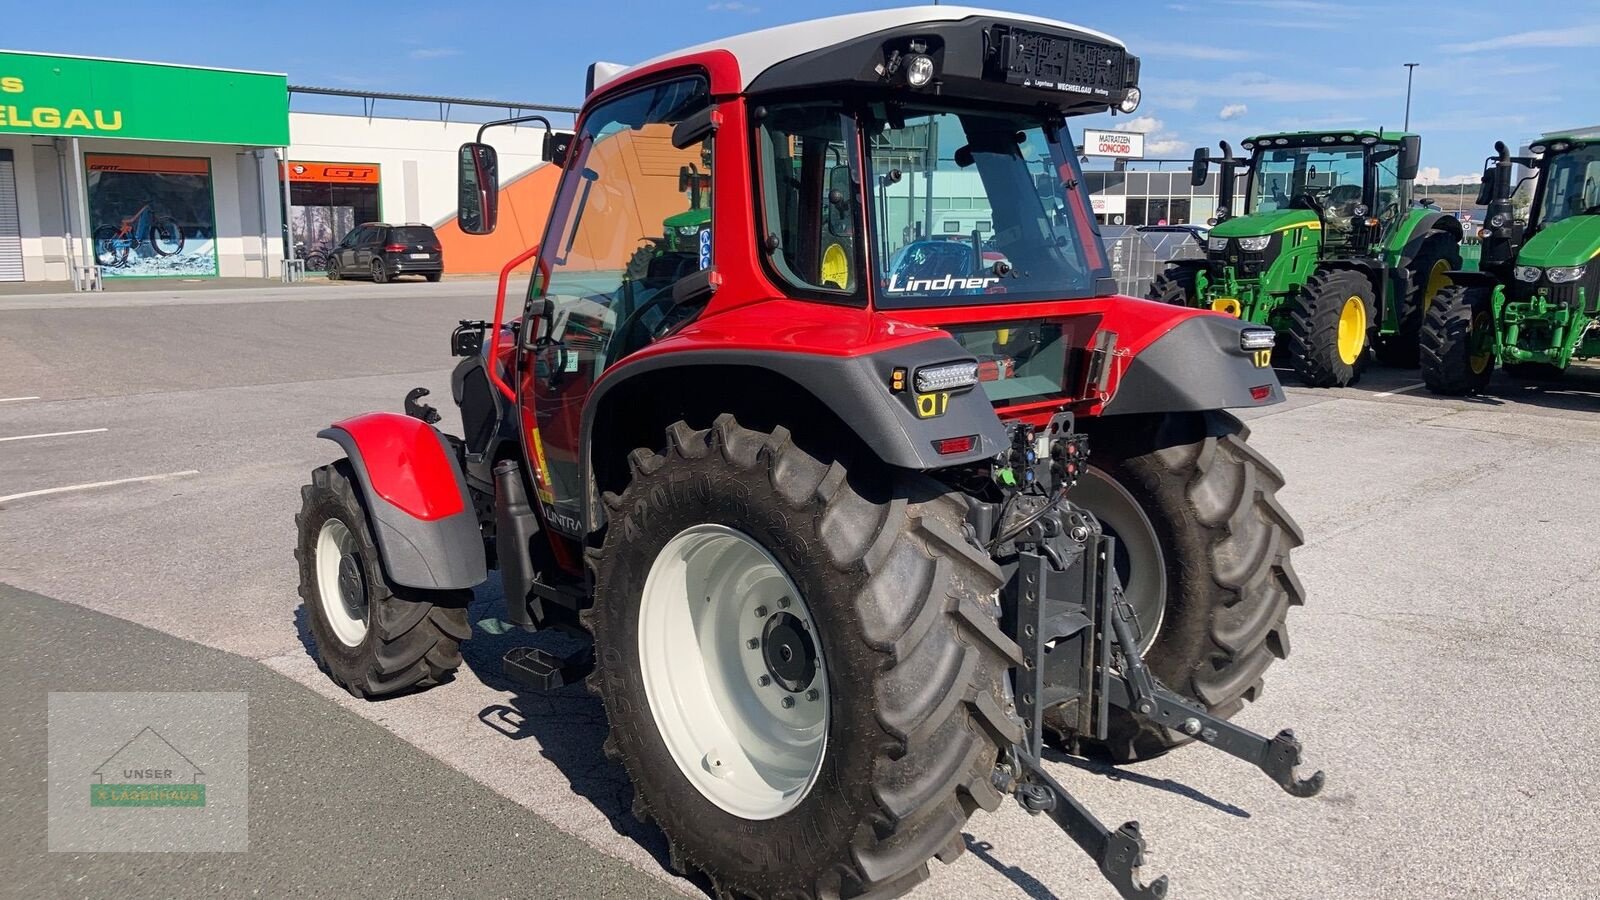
{"x":1534,"y":304}
{"x":1327,"y":248}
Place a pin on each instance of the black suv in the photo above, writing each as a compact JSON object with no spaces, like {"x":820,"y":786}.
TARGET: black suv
{"x":379,"y":251}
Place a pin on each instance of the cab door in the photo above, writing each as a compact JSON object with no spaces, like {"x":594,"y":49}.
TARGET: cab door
{"x":610,"y":258}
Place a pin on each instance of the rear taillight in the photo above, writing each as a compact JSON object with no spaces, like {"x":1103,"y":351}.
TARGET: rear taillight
{"x":1260,"y":392}
{"x":395,"y":248}
{"x":947,"y":446}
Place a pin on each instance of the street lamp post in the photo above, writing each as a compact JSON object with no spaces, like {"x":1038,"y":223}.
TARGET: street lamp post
{"x":1410,"y":68}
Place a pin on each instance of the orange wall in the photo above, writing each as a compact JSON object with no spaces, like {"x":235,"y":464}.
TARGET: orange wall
{"x":613,"y":224}
{"x":524,"y":207}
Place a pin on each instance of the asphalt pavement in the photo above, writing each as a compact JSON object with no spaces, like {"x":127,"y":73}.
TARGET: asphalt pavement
{"x":1441,"y":672}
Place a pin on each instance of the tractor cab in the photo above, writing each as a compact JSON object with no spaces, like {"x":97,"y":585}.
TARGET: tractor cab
{"x":1351,"y":188}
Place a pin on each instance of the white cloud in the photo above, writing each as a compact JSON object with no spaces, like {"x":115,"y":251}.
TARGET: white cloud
{"x":1158,"y":141}
{"x":1232,"y":111}
{"x":1260,"y":86}
{"x":1200,"y":52}
{"x":1432,"y":175}
{"x":1580,"y":36}
{"x":433,"y":52}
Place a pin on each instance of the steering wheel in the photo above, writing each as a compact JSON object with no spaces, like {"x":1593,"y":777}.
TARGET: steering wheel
{"x":1312,"y":199}
{"x":624,"y":340}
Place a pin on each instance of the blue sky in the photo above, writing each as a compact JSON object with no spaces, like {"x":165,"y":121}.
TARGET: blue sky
{"x":1213,"y":69}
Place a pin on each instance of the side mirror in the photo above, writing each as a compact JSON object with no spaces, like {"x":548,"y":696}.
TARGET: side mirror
{"x":1198,"y":170}
{"x":1486,"y":185}
{"x":477,"y":188}
{"x":1410,"y":156}
{"x":556,"y":145}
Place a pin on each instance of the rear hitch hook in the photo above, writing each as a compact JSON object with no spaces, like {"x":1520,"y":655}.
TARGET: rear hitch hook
{"x":1282,"y":758}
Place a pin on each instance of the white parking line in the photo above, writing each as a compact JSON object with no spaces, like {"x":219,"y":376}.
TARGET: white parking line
{"x":95,"y":484}
{"x":15,"y":399}
{"x":29,"y":437}
{"x":1409,"y":387}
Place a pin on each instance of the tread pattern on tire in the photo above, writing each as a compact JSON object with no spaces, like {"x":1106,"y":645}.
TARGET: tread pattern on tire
{"x":415,"y":636}
{"x":941,"y":672}
{"x":1401,"y":348}
{"x":1446,"y":342}
{"x":1313,"y":335}
{"x":1231,"y":491}
{"x":1174,"y":284}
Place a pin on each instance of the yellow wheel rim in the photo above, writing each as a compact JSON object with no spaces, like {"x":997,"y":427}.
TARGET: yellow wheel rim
{"x":1226,"y":305}
{"x":1352,"y":330}
{"x":1482,"y":355}
{"x":836,"y":267}
{"x":1438,"y":280}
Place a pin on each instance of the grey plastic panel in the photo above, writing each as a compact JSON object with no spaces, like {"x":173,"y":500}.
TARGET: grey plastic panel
{"x":1198,"y":365}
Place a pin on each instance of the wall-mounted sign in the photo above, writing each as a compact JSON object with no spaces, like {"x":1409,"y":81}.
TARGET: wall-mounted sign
{"x":1126,"y":144}
{"x":80,"y":97}
{"x":333,"y":173}
{"x":1108,"y":205}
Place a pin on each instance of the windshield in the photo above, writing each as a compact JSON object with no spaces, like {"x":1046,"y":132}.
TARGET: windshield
{"x":1313,"y":178}
{"x":1571,"y":185}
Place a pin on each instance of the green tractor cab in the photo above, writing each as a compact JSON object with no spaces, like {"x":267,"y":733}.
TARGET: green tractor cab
{"x":1326,"y":247}
{"x":1534,"y":304}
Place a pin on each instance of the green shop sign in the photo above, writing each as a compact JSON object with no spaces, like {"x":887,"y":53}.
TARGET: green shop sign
{"x":79,"y":97}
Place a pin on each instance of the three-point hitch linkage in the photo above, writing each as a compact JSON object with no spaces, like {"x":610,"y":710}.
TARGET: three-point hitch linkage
{"x":1079,"y":638}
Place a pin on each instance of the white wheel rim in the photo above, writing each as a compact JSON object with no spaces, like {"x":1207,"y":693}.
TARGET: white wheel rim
{"x":719,"y":702}
{"x":1143,"y":565}
{"x":341,"y":585}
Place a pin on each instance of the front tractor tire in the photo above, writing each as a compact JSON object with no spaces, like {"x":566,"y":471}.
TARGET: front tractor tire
{"x":1457,"y":341}
{"x":373,"y":637}
{"x":801,"y":664}
{"x":1329,"y":321}
{"x":1175,"y":285}
{"x":1203,"y":553}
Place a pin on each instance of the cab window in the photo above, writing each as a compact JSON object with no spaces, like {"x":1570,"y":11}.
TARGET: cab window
{"x":809,"y":198}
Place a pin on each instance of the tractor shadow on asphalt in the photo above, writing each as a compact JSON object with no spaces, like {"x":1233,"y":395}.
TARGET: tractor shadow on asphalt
{"x":569,"y":724}
{"x":1578,"y":390}
{"x":1121,"y":773}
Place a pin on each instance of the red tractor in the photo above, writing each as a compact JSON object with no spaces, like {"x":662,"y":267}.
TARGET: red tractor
{"x":813,"y":486}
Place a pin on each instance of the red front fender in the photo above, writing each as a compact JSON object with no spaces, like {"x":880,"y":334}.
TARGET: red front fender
{"x":416,"y":499}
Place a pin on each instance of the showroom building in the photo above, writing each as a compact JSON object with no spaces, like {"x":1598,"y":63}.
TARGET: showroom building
{"x":116,"y":169}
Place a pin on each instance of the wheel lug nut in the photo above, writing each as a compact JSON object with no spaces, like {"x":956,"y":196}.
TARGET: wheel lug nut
{"x":761,"y":612}
{"x":753,"y":643}
{"x":783,"y":603}
{"x":813,"y":694}
{"x":764,"y":680}
{"x":787,"y":701}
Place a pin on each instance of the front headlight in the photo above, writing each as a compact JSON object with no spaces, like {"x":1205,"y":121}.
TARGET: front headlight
{"x":1217,"y":244}
{"x":1529,"y":274}
{"x":1565,"y":274}
{"x":1255,"y":244}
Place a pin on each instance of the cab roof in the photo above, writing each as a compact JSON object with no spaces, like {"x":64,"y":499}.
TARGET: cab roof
{"x":758,"y":51}
{"x":1301,"y":138}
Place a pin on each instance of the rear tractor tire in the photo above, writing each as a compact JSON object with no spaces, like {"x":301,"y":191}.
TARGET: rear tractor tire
{"x":801,"y":664}
{"x":1427,"y":275}
{"x":1457,"y":341}
{"x":373,"y":637}
{"x":1175,"y":285}
{"x":1203,"y":554}
{"x":1329,"y":324}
